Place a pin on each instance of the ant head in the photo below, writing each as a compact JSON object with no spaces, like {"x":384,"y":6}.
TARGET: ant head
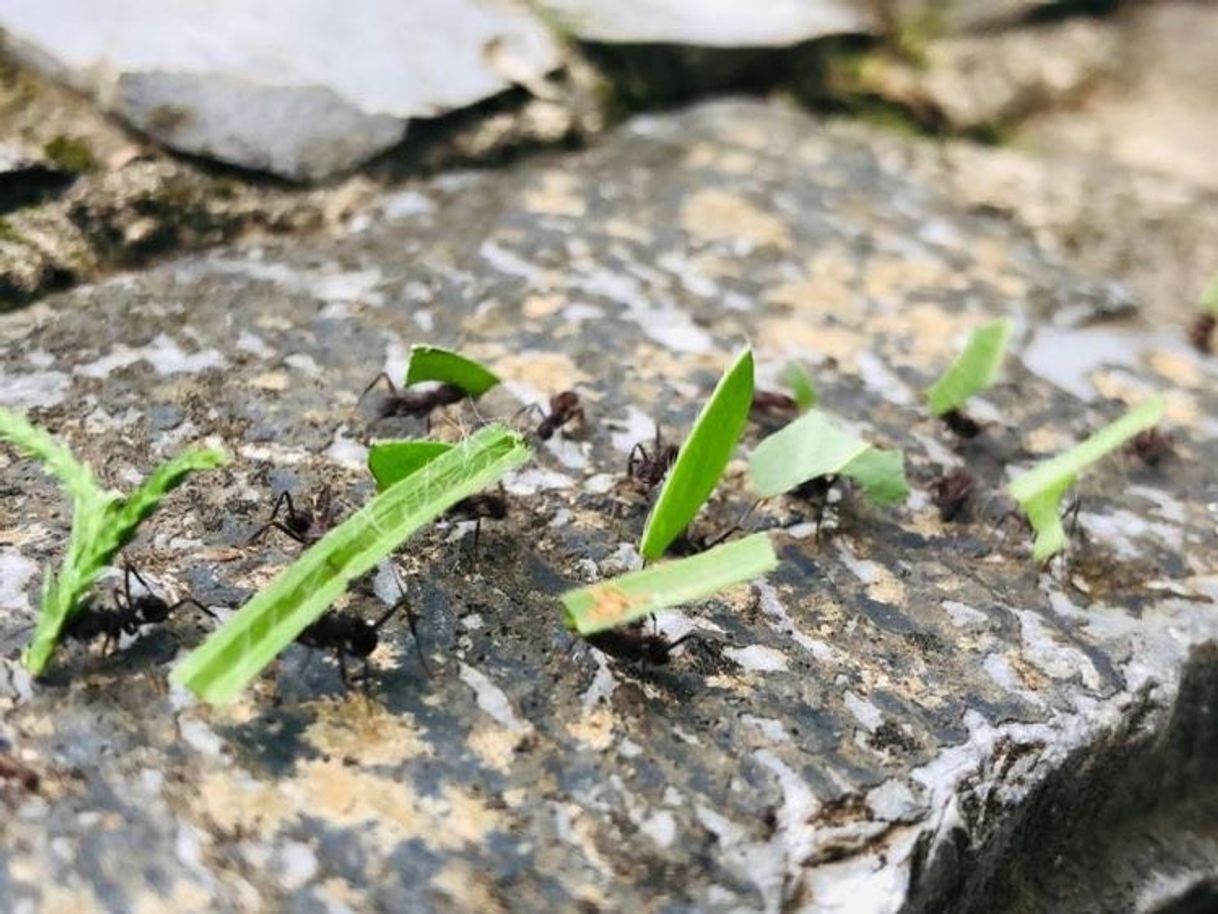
{"x":496,"y":507}
{"x":152,"y":608}
{"x":656,"y":649}
{"x":564,"y":401}
{"x":362,"y":641}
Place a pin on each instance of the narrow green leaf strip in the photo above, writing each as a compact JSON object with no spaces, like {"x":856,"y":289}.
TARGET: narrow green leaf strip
{"x":392,"y":461}
{"x":702,"y":458}
{"x":254,"y":636}
{"x":32,"y":441}
{"x":620,"y":600}
{"x":431,"y":363}
{"x":973,"y":370}
{"x":1039,"y":491}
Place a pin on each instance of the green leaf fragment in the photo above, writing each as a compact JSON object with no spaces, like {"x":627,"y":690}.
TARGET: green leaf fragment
{"x":254,"y":636}
{"x":802,"y":389}
{"x":814,"y":446}
{"x":1040,"y":490}
{"x":618,"y":601}
{"x":1209,"y":297}
{"x":973,"y":370}
{"x":432,"y":363}
{"x":56,"y":459}
{"x":392,"y":461}
{"x":702,"y":458}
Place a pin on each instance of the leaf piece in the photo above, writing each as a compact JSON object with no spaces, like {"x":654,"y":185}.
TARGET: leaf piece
{"x":1040,"y":490}
{"x":432,"y":363}
{"x":803,"y":391}
{"x":973,"y":370}
{"x":392,"y":461}
{"x":298,"y":595}
{"x":702,"y":458}
{"x":814,"y":446}
{"x":618,"y":601}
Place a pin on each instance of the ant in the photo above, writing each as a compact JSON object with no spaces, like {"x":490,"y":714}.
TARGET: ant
{"x":413,"y":401}
{"x":127,"y":616}
{"x":304,"y":526}
{"x":770,"y":404}
{"x":475,"y":507}
{"x":963,"y":425}
{"x":631,"y":642}
{"x":1152,"y":446}
{"x":952,"y":492}
{"x":648,"y":467}
{"x":816,"y":490}
{"x":565,"y":409}
{"x":1201,"y":332}
{"x":691,"y":544}
{"x":345,"y":633}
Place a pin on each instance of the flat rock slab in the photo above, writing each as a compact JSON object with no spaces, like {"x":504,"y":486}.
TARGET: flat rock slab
{"x":295,"y":89}
{"x":846,"y":736}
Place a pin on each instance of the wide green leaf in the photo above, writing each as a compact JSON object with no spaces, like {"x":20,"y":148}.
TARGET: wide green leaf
{"x":702,"y":458}
{"x":973,"y":370}
{"x":618,"y":601}
{"x":299,"y":594}
{"x":392,"y":461}
{"x":1040,"y":490}
{"x":432,"y":363}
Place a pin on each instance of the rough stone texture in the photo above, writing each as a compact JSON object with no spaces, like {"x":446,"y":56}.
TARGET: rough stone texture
{"x":283,"y":88}
{"x":968,"y":82}
{"x":879,"y":724}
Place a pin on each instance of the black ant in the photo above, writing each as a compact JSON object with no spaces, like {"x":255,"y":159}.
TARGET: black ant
{"x":304,"y":526}
{"x":631,"y":642}
{"x":1152,"y":446}
{"x":691,"y":544}
{"x":127,"y":615}
{"x":952,"y":492}
{"x":963,"y":425}
{"x":413,"y":401}
{"x":346,"y":633}
{"x":565,"y":409}
{"x":648,"y":467}
{"x":816,"y":491}
{"x":1201,"y":332}
{"x":490,"y":505}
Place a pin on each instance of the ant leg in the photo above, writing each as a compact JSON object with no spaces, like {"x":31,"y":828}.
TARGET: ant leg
{"x":393,"y":390}
{"x":734,"y":527}
{"x":342,"y":667}
{"x":275,"y":525}
{"x":191,"y":601}
{"x":638,"y":457}
{"x":366,"y":678}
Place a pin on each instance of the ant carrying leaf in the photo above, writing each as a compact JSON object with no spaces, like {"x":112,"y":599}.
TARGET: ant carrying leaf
{"x":971,"y":372}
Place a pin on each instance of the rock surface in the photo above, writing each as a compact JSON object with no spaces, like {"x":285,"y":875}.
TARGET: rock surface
{"x":876,"y":726}
{"x":286,"y":89}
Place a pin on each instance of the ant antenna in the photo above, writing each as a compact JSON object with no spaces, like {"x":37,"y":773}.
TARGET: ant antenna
{"x":383,"y":376}
{"x":128,"y":571}
{"x":411,"y":620}
{"x":191,"y":601}
{"x":673,"y":645}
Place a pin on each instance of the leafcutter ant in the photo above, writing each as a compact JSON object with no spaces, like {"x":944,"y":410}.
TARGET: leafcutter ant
{"x":127,"y":616}
{"x":963,"y":425}
{"x":1153,"y":447}
{"x":490,"y":505}
{"x":1201,"y":332}
{"x":632,"y":642}
{"x":647,"y":468}
{"x":816,"y":491}
{"x":952,"y":492}
{"x":565,"y":409}
{"x":691,"y":544}
{"x":302,"y":525}
{"x":413,"y":401}
{"x":770,"y":405}
{"x":348,"y":634}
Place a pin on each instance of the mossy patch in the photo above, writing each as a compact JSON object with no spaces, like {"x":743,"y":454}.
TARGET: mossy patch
{"x":70,"y":154}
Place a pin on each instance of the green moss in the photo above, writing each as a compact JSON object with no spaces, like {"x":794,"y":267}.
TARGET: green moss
{"x":69,"y":153}
{"x":10,"y":235}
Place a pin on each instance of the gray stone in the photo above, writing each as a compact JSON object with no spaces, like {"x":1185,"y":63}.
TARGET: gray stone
{"x":303,"y":90}
{"x":878,"y":727}
{"x":712,"y":23}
